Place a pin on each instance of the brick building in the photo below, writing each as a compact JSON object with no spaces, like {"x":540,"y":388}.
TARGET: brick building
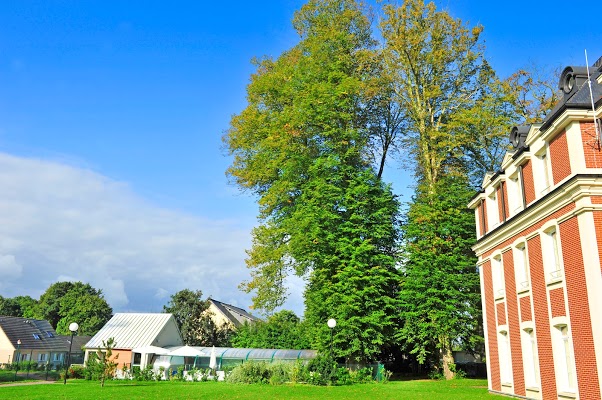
{"x":539,"y":229}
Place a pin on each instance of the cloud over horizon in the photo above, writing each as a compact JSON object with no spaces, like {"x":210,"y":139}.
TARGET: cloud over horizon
{"x":60,"y":222}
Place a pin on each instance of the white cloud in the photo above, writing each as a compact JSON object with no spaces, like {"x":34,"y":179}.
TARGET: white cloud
{"x":66,"y":223}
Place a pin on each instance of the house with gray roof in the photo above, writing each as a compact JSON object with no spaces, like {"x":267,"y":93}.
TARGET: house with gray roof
{"x":132,"y":331}
{"x":229,"y":314}
{"x":26,"y":339}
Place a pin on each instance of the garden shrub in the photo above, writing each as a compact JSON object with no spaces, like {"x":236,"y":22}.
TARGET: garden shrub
{"x":250,"y":372}
{"x":299,"y":372}
{"x":280,"y":373}
{"x":77,"y":372}
{"x":322,"y":371}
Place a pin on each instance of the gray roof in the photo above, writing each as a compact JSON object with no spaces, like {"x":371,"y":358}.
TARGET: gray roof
{"x":34,"y":334}
{"x":580,"y":99}
{"x":78,"y":342}
{"x":236,"y":315}
{"x":131,"y":330}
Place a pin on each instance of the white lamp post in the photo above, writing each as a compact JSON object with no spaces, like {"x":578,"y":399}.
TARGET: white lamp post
{"x":73,"y":327}
{"x":331,"y":324}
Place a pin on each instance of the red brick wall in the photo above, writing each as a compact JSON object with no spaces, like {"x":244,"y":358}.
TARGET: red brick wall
{"x":559,"y":157}
{"x":489,"y":301}
{"x":542,"y":320}
{"x":528,"y":182}
{"x":516,"y":352}
{"x":525,"y":309}
{"x":591,"y":149}
{"x":501,"y":313}
{"x":579,"y":310}
{"x":557,"y":303}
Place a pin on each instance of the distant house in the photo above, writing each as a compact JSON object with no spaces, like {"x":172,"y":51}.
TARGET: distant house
{"x":26,"y":339}
{"x":132,"y":331}
{"x":77,"y":348}
{"x":231,"y":315}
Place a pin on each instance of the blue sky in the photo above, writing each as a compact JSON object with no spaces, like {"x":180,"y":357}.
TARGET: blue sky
{"x":111,"y":117}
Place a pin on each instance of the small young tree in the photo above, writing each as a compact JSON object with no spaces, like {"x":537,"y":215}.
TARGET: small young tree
{"x":102,"y":364}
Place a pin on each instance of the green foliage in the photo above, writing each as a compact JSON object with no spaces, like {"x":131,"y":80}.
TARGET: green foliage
{"x":19,"y":306}
{"x":433,"y":63}
{"x":9,"y":307}
{"x":77,"y":372}
{"x":282,"y":330}
{"x":67,"y":302}
{"x":194,"y":320}
{"x":250,"y":372}
{"x":302,"y":147}
{"x":322,"y":370}
{"x":101,"y":365}
{"x":440,"y":296}
{"x":143,"y":374}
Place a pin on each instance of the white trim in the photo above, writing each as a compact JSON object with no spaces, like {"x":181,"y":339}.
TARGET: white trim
{"x":485,"y":330}
{"x":575,"y":147}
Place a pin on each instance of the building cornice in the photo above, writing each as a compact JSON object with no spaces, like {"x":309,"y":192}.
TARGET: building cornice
{"x":570,"y":191}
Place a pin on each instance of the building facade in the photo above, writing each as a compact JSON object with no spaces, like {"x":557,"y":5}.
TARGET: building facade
{"x":539,"y":230}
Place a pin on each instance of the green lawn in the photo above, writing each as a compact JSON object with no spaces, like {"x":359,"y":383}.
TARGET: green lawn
{"x":418,"y":389}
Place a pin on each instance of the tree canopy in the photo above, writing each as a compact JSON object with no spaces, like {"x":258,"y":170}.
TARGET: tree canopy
{"x":301,"y":146}
{"x":66,"y":302}
{"x":321,"y":124}
{"x":194,"y":320}
{"x":282,"y":330}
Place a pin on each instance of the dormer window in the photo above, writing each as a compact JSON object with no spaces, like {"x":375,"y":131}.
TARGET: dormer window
{"x":49,"y":334}
{"x":36,"y":336}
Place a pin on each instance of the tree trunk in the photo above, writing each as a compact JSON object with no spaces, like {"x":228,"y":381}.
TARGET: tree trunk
{"x":448,"y":362}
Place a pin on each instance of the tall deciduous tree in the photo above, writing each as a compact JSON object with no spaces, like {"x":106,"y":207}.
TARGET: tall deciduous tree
{"x":67,"y":302}
{"x":440,"y":296}
{"x":432,"y":61}
{"x":302,"y":146}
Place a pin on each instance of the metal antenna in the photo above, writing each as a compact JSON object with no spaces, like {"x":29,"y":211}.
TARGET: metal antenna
{"x":591,"y":96}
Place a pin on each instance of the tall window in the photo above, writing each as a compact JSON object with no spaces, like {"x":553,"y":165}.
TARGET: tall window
{"x":521,"y":263}
{"x":521,"y":183}
{"x":504,"y":357}
{"x":515,"y":201}
{"x":502,"y":200}
{"x":543,"y":161}
{"x":530,"y":357}
{"x":553,"y":262}
{"x":497,"y":274}
{"x":42,"y":357}
{"x":563,"y":355}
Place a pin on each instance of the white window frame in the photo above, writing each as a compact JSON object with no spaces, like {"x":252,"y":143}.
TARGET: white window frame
{"x":514,"y":192}
{"x":505,"y":358}
{"x":530,"y":355}
{"x":564,"y":355}
{"x":521,"y":265}
{"x":543,"y":186}
{"x":497,"y":276}
{"x":493,"y":214}
{"x":552,"y":254}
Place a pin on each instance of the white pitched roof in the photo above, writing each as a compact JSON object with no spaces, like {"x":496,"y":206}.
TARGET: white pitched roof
{"x":131,"y":330}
